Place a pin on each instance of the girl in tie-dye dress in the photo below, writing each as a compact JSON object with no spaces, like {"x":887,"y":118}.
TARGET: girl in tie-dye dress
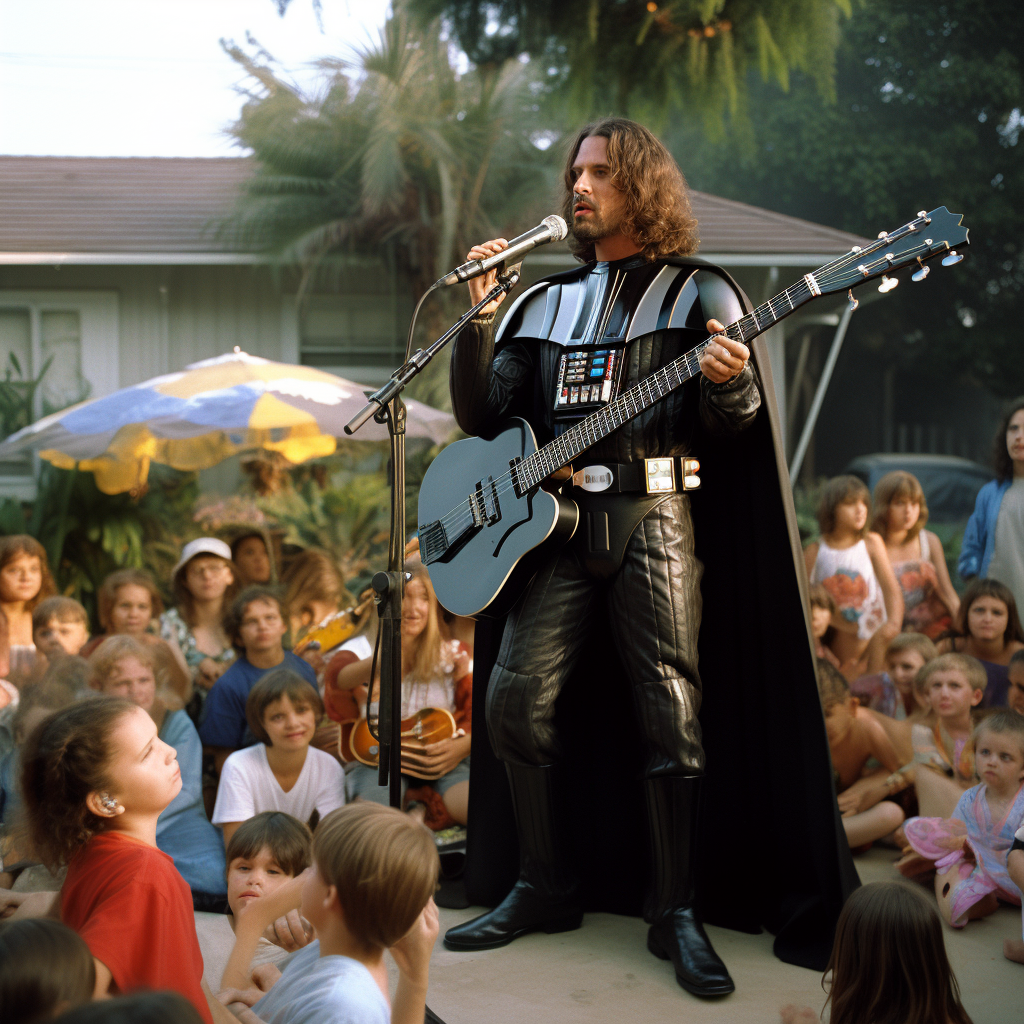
{"x":969,"y":849}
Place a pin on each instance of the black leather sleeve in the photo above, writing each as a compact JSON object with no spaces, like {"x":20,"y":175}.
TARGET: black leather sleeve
{"x":727,"y":408}
{"x":483,"y":385}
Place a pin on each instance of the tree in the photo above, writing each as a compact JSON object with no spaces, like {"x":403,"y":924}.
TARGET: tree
{"x":651,"y":59}
{"x":399,"y":153}
{"x":928,"y":112}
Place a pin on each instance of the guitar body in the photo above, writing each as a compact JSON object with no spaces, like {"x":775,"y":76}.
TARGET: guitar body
{"x":485,"y":574}
{"x":430,"y":725}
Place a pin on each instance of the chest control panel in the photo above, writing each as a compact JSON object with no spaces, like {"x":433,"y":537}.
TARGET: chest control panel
{"x":588,"y":378}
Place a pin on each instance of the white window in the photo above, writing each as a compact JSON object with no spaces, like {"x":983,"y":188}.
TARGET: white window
{"x":358,"y":332}
{"x":71,"y":338}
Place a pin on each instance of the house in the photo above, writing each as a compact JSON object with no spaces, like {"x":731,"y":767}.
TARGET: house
{"x":115,"y":268}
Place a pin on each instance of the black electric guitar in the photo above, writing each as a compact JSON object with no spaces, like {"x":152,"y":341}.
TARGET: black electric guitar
{"x":485,"y":522}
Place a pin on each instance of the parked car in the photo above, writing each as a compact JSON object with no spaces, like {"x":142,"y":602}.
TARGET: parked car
{"x":950,"y":484}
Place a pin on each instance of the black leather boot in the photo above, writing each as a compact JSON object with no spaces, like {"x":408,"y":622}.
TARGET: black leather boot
{"x":546,"y":897}
{"x":676,"y":933}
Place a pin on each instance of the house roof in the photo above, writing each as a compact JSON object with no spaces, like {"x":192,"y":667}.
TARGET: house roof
{"x":166,"y":210}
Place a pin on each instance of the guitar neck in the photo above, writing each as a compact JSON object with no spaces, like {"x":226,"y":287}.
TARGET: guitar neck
{"x":577,"y":439}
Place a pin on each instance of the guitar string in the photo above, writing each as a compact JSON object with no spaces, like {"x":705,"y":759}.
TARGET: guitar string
{"x":462,"y":514}
{"x":826,"y":276}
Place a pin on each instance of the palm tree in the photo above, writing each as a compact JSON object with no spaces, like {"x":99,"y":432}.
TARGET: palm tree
{"x":398,"y":155}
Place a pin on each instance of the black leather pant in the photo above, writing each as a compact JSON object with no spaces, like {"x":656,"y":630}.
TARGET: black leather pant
{"x":654,"y":607}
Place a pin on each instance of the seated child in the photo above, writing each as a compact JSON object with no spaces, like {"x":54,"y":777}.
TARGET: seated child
{"x":281,"y":772}
{"x":95,"y":779}
{"x":38,"y":702}
{"x":943,"y":751}
{"x":124,"y":667}
{"x":888,"y":963}
{"x":264,"y":853}
{"x":1015,"y":694}
{"x":890,"y":692}
{"x":129,"y":603}
{"x":435,"y":673}
{"x":60,"y":626}
{"x":256,"y":624}
{"x":25,"y":580}
{"x":823,"y":607}
{"x":370,"y":888}
{"x":969,"y":850}
{"x":250,"y":555}
{"x":855,"y":736}
{"x":45,"y":969}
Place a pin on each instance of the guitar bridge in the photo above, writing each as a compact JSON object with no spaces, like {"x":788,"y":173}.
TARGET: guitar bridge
{"x":433,"y":542}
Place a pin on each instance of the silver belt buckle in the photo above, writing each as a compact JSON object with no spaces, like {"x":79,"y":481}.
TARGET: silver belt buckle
{"x":660,"y":475}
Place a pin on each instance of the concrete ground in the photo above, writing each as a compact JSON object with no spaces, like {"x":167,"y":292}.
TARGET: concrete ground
{"x":603,"y":973}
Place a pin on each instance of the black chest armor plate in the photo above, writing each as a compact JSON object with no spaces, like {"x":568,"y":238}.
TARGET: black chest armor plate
{"x":607,"y":328}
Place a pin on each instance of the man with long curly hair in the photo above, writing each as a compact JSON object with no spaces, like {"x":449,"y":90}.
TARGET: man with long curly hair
{"x":567,"y":347}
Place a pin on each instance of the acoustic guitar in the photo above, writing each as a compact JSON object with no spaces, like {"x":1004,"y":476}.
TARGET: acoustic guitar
{"x":486,"y":524}
{"x":429,"y":725}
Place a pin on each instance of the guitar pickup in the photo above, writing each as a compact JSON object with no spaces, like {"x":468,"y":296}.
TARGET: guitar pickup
{"x":433,"y":542}
{"x":484,"y":503}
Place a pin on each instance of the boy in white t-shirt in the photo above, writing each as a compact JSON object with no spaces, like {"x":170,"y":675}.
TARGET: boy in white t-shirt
{"x":281,"y":772}
{"x":370,"y":888}
{"x":265,"y":852}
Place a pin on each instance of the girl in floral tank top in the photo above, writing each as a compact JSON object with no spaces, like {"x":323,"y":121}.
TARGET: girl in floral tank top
{"x":918,"y":561}
{"x":850,"y":562}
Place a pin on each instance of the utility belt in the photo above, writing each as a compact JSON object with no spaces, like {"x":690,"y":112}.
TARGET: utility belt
{"x":665,"y":475}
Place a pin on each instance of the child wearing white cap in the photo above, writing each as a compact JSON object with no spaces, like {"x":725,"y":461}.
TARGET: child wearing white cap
{"x":204,"y":583}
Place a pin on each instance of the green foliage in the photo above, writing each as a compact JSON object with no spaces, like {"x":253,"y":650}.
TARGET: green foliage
{"x":928,"y":113}
{"x":17,"y":395}
{"x":344,"y":511}
{"x":397,"y":157}
{"x":88,"y":534}
{"x":651,"y":59}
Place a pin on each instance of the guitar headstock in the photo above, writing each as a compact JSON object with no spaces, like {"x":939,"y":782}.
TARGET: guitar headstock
{"x":928,"y":235}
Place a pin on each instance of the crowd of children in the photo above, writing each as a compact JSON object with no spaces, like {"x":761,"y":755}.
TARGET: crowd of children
{"x":923,"y":695}
{"x":188,"y":823}
{"x":163,"y":804}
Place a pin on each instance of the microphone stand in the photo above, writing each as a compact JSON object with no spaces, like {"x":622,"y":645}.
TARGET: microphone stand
{"x":385,"y":405}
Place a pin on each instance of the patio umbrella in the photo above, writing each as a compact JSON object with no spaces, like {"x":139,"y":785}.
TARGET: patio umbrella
{"x":212,"y":409}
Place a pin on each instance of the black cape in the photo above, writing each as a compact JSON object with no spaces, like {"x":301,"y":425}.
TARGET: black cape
{"x":772,"y":850}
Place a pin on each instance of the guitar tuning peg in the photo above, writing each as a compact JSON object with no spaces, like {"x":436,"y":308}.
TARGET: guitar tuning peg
{"x":953,"y":258}
{"x":920,"y":275}
{"x":888,"y":283}
{"x":854,"y":303}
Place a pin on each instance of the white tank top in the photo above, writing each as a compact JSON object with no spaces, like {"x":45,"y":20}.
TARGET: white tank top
{"x":849,"y":576}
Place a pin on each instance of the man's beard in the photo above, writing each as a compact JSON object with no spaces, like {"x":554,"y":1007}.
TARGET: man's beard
{"x":592,"y":228}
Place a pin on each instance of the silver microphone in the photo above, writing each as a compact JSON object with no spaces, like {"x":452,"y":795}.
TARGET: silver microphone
{"x":550,"y":229}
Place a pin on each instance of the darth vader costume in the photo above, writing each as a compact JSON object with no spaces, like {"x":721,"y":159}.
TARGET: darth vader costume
{"x":596,"y":735}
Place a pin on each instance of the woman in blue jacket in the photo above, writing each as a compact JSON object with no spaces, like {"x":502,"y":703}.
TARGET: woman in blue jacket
{"x":993,"y":544}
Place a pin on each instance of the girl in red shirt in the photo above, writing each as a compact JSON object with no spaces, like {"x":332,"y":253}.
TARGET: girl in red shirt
{"x":96,"y":777}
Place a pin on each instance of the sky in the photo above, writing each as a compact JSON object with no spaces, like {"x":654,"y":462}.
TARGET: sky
{"x":149,"y":77}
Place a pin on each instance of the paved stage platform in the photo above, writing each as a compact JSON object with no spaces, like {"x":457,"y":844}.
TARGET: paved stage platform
{"x":603,"y":974}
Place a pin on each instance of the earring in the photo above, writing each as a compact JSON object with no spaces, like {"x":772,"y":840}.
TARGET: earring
{"x":108,"y":803}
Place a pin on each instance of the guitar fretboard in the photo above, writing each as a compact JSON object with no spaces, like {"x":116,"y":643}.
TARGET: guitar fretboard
{"x":585,"y":434}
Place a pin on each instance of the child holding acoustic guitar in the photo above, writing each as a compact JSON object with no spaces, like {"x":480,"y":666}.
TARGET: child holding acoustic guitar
{"x":436,"y":673}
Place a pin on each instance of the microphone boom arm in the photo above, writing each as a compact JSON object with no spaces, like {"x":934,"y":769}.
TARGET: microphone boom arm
{"x":379,"y":400}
